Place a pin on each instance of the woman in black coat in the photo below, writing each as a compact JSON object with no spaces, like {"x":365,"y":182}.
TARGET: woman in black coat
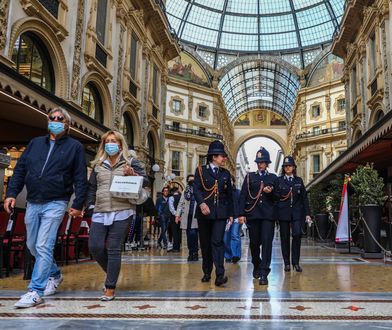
{"x":292,"y":211}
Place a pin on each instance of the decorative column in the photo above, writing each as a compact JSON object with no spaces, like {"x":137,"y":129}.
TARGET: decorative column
{"x":75,"y":84}
{"x":164,"y":78}
{"x":4,"y":8}
{"x":347,"y":91}
{"x":145,"y":89}
{"x":385,"y":63}
{"x":363,"y":85}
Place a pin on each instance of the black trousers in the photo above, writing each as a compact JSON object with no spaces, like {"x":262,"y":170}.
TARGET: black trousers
{"x":261,"y":232}
{"x":212,"y":245}
{"x":176,"y":231}
{"x":295,"y":228}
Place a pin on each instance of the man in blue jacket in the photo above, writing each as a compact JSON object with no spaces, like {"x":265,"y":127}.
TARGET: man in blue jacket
{"x":52,"y":167}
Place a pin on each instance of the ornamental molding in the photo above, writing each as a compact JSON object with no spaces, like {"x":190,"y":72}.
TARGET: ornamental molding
{"x":182,"y":105}
{"x":4,"y":9}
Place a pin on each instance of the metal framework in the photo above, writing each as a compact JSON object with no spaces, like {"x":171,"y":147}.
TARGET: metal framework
{"x":295,"y":29}
{"x":259,"y":84}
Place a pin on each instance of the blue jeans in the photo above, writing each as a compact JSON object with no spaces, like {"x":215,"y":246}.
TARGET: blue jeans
{"x":233,"y":241}
{"x":42,"y":223}
{"x":164,"y":222}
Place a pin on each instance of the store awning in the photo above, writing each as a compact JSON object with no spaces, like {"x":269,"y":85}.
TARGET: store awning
{"x":375,"y":146}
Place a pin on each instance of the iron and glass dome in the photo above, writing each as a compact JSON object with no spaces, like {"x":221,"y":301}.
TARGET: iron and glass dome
{"x":293,"y":29}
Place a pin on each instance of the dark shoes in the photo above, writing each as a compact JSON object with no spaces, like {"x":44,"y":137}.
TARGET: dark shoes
{"x":227,"y":260}
{"x":234,"y":260}
{"x":263,"y":280}
{"x":206,"y":278}
{"x":287,"y":268}
{"x":256,"y":274}
{"x":193,"y":257}
{"x":297,"y":268}
{"x":220,"y":280}
{"x":173,"y":250}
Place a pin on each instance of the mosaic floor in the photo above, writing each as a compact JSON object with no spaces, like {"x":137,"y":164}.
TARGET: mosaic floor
{"x":157,"y":289}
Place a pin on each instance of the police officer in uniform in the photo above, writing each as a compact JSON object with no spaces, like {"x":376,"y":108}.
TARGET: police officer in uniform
{"x":214,"y":196}
{"x":257,"y":209}
{"x":292,"y":211}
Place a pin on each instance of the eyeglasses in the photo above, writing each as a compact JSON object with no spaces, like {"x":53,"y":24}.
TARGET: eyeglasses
{"x":58,"y":118}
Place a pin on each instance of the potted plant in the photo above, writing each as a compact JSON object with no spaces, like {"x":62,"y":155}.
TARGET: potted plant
{"x":318,"y":205}
{"x":369,"y":191}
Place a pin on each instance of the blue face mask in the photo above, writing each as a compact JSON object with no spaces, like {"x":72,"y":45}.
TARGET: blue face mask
{"x":112,"y":148}
{"x":56,"y":127}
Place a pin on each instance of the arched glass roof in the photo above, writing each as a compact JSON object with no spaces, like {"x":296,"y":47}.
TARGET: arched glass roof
{"x":259,"y":84}
{"x":291,"y":27}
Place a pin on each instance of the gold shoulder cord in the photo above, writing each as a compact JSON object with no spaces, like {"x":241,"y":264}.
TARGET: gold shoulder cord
{"x":213,"y":190}
{"x":289,"y":195}
{"x":257,"y":197}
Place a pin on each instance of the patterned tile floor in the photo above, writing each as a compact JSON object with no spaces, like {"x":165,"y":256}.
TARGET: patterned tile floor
{"x":157,"y":289}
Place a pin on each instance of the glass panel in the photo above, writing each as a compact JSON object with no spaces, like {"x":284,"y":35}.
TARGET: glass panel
{"x":316,"y":163}
{"x":101,"y":20}
{"x":155,"y":85}
{"x":134,"y":46}
{"x":176,"y":160}
{"x":126,"y":129}
{"x":91,"y":103}
{"x":32,"y":61}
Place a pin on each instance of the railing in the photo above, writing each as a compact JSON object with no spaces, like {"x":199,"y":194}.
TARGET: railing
{"x":133,"y":88}
{"x":101,"y":55}
{"x":194,"y":132}
{"x":373,"y":87}
{"x":52,"y":6}
{"x":321,"y":132}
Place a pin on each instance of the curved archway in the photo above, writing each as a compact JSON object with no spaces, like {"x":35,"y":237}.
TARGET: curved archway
{"x":134,"y":119}
{"x":357,"y":133}
{"x":49,"y":39}
{"x":153,"y":144}
{"x":95,"y":79}
{"x":376,"y":115}
{"x":269,"y":134}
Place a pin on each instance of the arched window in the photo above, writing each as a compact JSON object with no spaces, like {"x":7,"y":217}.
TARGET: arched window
{"x":32,"y":60}
{"x":127,"y":129}
{"x":379,"y":115}
{"x":92,"y":103}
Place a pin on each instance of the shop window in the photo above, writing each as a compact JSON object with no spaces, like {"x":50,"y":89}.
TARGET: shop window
{"x":91,"y":103}
{"x":32,"y":60}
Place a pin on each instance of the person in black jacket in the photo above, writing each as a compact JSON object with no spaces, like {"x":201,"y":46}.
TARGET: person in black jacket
{"x":52,"y":167}
{"x":292,"y":210}
{"x":257,"y":208}
{"x":214,"y":196}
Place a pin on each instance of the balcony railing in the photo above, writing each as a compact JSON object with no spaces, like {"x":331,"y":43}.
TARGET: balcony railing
{"x":321,"y":132}
{"x":194,"y":132}
{"x":52,"y":6}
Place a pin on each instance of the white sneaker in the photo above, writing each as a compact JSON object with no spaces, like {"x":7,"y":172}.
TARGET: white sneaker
{"x":29,"y":299}
{"x":52,"y":285}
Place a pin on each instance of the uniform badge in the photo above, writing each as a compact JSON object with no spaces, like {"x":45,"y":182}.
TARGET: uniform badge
{"x":259,"y":154}
{"x":286,"y":160}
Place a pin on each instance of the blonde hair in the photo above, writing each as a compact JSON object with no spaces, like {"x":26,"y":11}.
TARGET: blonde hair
{"x":102,"y":155}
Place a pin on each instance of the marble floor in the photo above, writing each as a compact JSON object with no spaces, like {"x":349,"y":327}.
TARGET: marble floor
{"x":162,"y":290}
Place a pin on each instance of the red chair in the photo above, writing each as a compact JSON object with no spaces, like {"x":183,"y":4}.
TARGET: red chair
{"x":4,"y":220}
{"x":18,"y":240}
{"x":77,"y":236}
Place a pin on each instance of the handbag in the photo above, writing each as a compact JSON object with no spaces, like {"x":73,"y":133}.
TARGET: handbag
{"x":129,"y":187}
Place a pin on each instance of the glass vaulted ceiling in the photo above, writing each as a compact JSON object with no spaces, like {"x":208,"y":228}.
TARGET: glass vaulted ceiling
{"x":259,"y":85}
{"x":221,"y":29}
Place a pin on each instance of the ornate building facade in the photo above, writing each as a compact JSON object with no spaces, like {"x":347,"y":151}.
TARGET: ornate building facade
{"x":317,"y":130}
{"x":195,"y":116}
{"x":105,"y":61}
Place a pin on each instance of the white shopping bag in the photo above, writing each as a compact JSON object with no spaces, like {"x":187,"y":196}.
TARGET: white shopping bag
{"x":129,"y":187}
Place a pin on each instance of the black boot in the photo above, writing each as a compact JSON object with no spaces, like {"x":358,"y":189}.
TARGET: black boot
{"x":297,"y":268}
{"x":220,"y":280}
{"x":206,"y":278}
{"x":263,"y":280}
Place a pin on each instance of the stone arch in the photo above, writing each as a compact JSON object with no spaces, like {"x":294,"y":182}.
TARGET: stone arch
{"x":376,"y":113}
{"x":45,"y":33}
{"x":155,"y":138}
{"x":127,"y":108}
{"x":356,"y":135}
{"x":271,"y":135}
{"x":99,"y":82}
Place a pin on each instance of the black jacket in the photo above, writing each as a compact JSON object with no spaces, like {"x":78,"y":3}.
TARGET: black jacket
{"x":292,"y":198}
{"x":265,"y":206}
{"x":222,"y":207}
{"x":64,"y":172}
